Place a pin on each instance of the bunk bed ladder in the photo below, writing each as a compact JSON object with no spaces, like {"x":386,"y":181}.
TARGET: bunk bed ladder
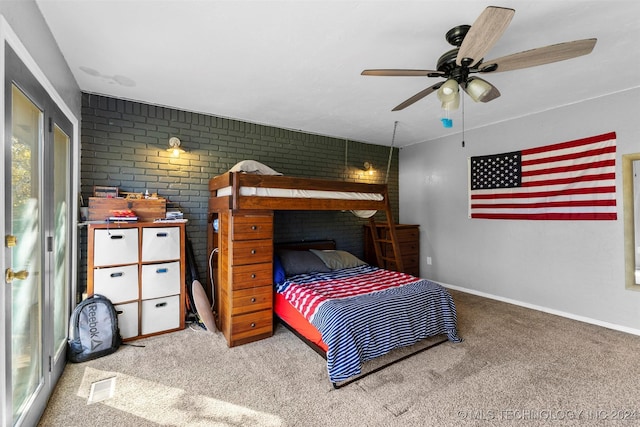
{"x":389,"y":239}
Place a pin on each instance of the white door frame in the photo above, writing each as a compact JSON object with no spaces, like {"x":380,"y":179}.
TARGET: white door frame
{"x":8,"y":36}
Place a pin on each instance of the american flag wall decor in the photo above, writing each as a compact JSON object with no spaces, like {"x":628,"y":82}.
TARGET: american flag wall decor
{"x":573,"y":180}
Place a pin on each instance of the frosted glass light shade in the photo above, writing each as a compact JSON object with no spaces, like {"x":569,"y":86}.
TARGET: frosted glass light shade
{"x":449,"y":95}
{"x":478,"y":89}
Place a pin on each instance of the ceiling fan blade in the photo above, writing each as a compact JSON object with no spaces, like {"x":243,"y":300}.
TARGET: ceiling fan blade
{"x":490,"y":95}
{"x":483,"y":34}
{"x":401,"y":72}
{"x":418,"y":96}
{"x":541,"y":55}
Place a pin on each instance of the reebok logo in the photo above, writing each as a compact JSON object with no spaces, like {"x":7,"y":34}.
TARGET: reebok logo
{"x":93,"y":327}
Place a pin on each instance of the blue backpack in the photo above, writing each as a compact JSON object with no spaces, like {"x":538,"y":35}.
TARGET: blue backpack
{"x":93,"y":330}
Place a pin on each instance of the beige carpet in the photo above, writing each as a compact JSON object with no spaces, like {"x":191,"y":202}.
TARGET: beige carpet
{"x":515,"y":367}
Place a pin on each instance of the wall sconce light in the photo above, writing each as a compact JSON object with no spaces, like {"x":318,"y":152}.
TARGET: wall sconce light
{"x":174,"y":147}
{"x":368,"y":167}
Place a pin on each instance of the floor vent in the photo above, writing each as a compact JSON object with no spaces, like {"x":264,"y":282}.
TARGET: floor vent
{"x":102,"y":390}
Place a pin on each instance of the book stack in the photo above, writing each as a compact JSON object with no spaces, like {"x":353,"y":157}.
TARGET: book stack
{"x":172,"y":216}
{"x":126,"y":215}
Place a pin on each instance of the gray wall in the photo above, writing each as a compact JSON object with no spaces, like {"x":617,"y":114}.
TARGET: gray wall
{"x":574,"y":268}
{"x":124,"y":145}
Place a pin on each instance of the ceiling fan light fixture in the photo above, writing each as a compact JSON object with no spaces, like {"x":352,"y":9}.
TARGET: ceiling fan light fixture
{"x":471,"y":44}
{"x":477,"y":89}
{"x":448,"y":89}
{"x":451,"y":105}
{"x":449,"y":95}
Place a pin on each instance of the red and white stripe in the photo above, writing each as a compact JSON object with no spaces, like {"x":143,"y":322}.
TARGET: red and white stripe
{"x":306,"y":298}
{"x":573,"y":180}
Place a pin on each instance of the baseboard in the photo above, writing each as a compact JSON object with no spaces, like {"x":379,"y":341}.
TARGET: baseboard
{"x":572,"y":316}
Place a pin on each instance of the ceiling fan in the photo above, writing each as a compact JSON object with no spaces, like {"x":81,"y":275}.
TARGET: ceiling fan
{"x":471,"y":43}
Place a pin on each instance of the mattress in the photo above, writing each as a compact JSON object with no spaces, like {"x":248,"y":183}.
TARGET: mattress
{"x":292,"y":317}
{"x":364,"y":312}
{"x":299,"y":193}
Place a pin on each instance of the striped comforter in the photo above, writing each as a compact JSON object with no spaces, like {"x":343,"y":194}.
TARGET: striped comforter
{"x":365,"y":312}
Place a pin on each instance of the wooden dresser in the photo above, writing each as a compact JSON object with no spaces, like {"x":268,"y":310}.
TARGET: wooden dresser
{"x":244,"y":277}
{"x":140,"y":267}
{"x":409,"y":241}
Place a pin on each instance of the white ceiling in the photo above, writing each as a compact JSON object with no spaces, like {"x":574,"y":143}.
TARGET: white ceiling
{"x":297,"y":64}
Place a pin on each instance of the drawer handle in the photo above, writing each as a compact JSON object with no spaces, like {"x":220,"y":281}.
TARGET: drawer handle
{"x":254,"y":227}
{"x":162,"y":270}
{"x":161,"y":234}
{"x":253,"y":251}
{"x":116,"y":236}
{"x":161,"y":304}
{"x":119,"y":274}
{"x":119,"y":312}
{"x":253,"y":300}
{"x":253,"y":276}
{"x":253,"y":325}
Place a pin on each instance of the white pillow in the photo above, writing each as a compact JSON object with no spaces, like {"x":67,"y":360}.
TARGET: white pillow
{"x":251,"y":166}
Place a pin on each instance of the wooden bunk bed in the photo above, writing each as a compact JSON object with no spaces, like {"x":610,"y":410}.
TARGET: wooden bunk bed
{"x":241,"y":207}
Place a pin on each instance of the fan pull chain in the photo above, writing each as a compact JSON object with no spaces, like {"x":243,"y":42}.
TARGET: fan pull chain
{"x":462,"y":121}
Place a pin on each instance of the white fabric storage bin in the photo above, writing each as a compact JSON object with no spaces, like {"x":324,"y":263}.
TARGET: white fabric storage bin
{"x":115,"y":246}
{"x":160,"y":243}
{"x":117,"y":283}
{"x":160,"y":280}
{"x":128,"y":319}
{"x":160,"y":314}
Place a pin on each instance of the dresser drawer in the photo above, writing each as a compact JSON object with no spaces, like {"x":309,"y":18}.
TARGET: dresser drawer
{"x":404,"y":234}
{"x":250,"y":227}
{"x":127,"y":319}
{"x":408,"y":242}
{"x":160,"y":243}
{"x":252,"y":299}
{"x":407,"y":234}
{"x":160,"y":280}
{"x":252,"y":252}
{"x":411,"y":265}
{"x":409,"y":248}
{"x":411,"y":261}
{"x":115,"y":246}
{"x":252,"y":324}
{"x":160,"y":314}
{"x":116,"y":283}
{"x":250,"y":276}
{"x":406,"y":249}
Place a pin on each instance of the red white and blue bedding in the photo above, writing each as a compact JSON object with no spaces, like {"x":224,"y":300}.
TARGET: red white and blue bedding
{"x":365,"y":312}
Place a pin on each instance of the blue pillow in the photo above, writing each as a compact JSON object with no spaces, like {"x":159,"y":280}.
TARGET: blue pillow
{"x":278,"y":271}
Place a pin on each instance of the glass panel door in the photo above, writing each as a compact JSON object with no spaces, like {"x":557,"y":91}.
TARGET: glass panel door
{"x":61,"y":236}
{"x":38,"y":243}
{"x":24,"y":274}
